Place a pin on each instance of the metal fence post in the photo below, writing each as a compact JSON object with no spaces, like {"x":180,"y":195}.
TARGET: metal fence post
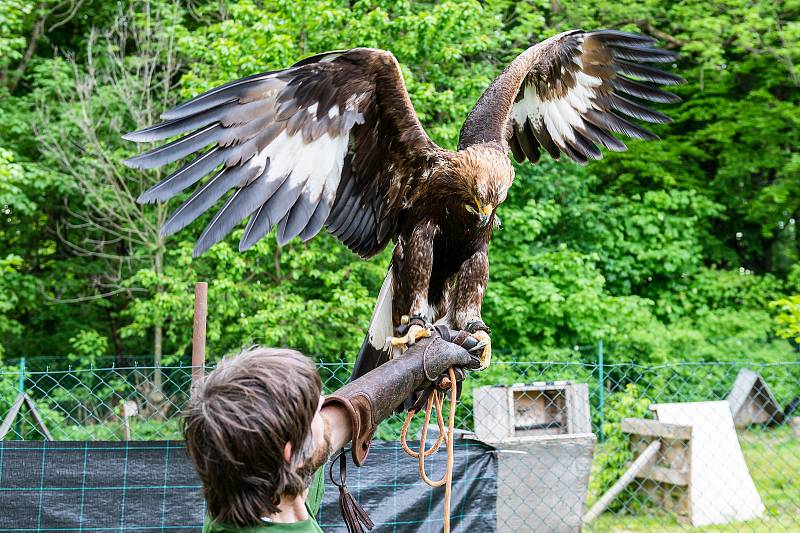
{"x":601,"y":379}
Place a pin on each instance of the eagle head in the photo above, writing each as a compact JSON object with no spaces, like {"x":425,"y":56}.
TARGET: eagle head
{"x":484,"y":175}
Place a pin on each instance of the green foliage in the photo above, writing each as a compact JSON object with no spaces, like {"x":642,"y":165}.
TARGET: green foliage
{"x":789,"y":317}
{"x":9,"y":387}
{"x":140,"y":430}
{"x":12,"y":38}
{"x":18,"y":292}
{"x":87,"y":346}
{"x":11,"y":177}
{"x":671,"y":251}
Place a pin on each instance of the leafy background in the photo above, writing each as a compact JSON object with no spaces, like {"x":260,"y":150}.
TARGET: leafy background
{"x":671,"y":251}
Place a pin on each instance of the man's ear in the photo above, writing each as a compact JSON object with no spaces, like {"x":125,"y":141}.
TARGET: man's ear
{"x":287,"y":453}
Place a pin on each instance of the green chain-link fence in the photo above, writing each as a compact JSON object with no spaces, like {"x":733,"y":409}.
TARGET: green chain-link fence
{"x":547,"y":407}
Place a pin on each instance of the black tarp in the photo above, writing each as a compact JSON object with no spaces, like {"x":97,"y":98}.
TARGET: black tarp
{"x":151,"y":486}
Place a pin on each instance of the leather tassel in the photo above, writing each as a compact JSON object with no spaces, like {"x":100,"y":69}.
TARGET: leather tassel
{"x":355,"y":517}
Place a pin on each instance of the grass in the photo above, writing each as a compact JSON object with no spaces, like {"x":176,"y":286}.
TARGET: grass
{"x":773,"y":458}
{"x":140,"y":430}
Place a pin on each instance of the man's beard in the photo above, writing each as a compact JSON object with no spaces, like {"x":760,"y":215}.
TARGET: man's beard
{"x":317,"y":459}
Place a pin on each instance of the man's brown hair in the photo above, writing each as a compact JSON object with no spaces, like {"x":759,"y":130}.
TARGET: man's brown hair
{"x":237,"y":424}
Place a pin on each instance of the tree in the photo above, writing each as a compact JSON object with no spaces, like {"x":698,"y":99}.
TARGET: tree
{"x":124,"y":83}
{"x":671,"y":250}
{"x":27,"y":24}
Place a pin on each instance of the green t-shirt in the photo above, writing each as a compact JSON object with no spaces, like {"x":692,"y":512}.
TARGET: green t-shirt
{"x":313,"y":502}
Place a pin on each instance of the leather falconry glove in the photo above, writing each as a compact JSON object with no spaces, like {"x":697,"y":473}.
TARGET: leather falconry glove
{"x":375,"y":395}
{"x":417,"y":400}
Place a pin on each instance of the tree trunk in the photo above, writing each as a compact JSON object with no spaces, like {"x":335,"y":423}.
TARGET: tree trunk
{"x":115,"y":336}
{"x":38,"y":31}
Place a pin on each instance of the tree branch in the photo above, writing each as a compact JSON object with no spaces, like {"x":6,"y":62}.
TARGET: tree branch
{"x":648,"y":28}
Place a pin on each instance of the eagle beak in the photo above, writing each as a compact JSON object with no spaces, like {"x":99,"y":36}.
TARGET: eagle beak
{"x":484,"y":212}
{"x":486,"y":215}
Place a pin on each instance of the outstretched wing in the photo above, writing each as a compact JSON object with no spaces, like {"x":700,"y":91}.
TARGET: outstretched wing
{"x":568,"y":94}
{"x":331,"y":141}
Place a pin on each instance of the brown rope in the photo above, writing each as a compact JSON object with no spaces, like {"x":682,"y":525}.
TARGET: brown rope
{"x":436,"y":399}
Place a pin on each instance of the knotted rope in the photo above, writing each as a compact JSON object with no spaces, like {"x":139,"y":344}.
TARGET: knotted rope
{"x":436,"y":399}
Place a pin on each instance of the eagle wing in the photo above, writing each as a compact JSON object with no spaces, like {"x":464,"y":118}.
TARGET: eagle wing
{"x":331,"y":141}
{"x":568,"y":94}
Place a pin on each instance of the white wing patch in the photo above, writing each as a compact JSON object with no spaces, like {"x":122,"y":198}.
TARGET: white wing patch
{"x":560,"y":115}
{"x":575,"y":91}
{"x":313,"y":163}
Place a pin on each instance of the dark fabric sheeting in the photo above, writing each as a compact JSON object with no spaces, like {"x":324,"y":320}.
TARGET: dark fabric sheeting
{"x":151,"y":486}
{"x":101,"y":486}
{"x":390,"y":490}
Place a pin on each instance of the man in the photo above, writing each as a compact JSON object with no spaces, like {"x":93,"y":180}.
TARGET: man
{"x":258,"y":429}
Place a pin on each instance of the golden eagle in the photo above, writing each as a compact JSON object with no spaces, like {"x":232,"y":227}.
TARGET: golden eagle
{"x":334,"y":142}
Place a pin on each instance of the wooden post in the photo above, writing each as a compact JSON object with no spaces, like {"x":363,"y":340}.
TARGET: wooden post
{"x":199,"y":334}
{"x":645,"y":460}
{"x":20,"y":391}
{"x":129,"y":408}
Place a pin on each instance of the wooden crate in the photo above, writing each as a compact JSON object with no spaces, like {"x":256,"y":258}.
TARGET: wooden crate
{"x":666,"y":481}
{"x":540,"y":409}
{"x":752,"y":402}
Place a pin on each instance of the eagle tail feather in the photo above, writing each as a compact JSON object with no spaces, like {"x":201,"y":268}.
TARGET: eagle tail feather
{"x":374,"y":350}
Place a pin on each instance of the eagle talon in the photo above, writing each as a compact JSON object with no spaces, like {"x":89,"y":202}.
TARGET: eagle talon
{"x":486,"y":342}
{"x":414,"y":333}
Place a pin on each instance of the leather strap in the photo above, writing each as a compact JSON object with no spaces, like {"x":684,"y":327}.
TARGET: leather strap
{"x":355,"y":517}
{"x":417,"y":320}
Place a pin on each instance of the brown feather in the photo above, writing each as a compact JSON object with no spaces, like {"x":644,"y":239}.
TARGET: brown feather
{"x":552,"y":70}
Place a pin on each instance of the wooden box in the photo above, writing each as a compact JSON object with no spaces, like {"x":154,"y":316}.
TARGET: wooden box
{"x":752,"y":402}
{"x":540,"y":409}
{"x":542,"y":482}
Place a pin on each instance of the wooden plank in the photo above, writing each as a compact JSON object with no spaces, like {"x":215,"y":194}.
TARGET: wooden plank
{"x":37,"y":417}
{"x":553,"y":501}
{"x":563,"y":438}
{"x":665,"y":475}
{"x":578,"y":417}
{"x":654,"y":428}
{"x":644,"y":461}
{"x":12,"y":414}
{"x":492,"y":414}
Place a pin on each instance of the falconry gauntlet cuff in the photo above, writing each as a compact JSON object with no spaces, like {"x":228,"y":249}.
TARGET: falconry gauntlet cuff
{"x":375,"y":395}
